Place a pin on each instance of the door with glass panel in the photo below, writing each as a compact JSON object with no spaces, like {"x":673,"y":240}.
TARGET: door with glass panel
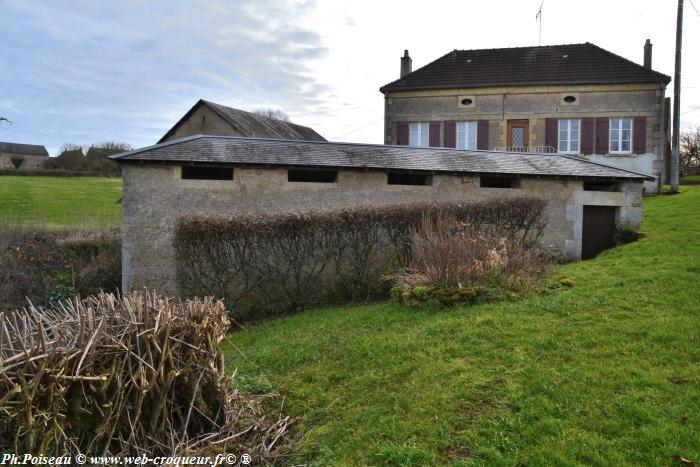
{"x":518,"y":135}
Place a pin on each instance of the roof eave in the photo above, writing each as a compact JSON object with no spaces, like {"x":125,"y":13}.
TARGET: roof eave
{"x":386,"y":88}
{"x":144,"y":161}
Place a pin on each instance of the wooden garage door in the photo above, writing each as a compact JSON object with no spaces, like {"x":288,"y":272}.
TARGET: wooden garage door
{"x":598,"y":230}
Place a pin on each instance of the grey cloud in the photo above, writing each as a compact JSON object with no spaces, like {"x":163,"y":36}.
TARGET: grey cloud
{"x":87,"y":71}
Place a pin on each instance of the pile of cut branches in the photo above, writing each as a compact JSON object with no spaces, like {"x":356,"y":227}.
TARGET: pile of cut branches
{"x":133,"y":374}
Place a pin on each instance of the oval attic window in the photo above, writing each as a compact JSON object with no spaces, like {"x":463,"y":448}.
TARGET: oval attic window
{"x":467,"y":102}
{"x":569,"y":99}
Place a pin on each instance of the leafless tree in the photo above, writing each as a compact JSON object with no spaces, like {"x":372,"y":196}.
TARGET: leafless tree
{"x":70,"y":147}
{"x":273,"y":113}
{"x":113,"y":145}
{"x":690,"y":149}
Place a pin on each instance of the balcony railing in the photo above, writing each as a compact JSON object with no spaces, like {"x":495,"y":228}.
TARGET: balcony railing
{"x":537,"y":149}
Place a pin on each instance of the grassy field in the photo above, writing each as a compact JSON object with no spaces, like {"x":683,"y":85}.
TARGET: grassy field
{"x":604,"y":373}
{"x":690,"y":180}
{"x":57,"y":202}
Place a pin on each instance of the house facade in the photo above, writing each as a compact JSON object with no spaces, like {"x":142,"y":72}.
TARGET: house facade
{"x":22,"y":157}
{"x":220,"y":175}
{"x":210,"y":118}
{"x":576,"y":99}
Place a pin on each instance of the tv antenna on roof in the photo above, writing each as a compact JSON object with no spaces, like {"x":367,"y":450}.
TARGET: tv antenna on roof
{"x":538,"y":17}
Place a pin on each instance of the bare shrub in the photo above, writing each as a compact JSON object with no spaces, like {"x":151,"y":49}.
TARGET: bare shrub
{"x":450,"y":256}
{"x":447,"y":253}
{"x":117,"y":375}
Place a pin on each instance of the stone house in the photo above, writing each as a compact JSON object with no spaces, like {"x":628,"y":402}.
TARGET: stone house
{"x":224,"y":175}
{"x":209,"y":118}
{"x":575,"y":99}
{"x":15,"y":156}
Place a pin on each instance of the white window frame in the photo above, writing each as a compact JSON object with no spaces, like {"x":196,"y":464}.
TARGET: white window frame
{"x":466,"y":135}
{"x":564,"y":146}
{"x":419,"y":134}
{"x":616,"y":125}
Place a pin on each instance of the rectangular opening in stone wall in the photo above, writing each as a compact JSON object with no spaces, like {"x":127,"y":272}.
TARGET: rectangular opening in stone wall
{"x":499,"y":182}
{"x":399,"y":178}
{"x":312,"y":175}
{"x":601,"y":186}
{"x":198,"y":172}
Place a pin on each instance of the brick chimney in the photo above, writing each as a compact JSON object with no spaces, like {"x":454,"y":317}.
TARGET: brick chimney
{"x":647,"y":54}
{"x":406,"y":64}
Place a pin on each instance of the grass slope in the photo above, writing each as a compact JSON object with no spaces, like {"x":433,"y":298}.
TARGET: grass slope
{"x":690,"y":180}
{"x":57,"y":202}
{"x":604,"y":373}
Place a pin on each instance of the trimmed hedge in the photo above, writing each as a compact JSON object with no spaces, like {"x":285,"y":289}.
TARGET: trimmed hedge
{"x":271,"y":263}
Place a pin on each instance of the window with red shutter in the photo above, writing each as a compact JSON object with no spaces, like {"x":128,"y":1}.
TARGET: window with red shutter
{"x":550,"y":135}
{"x":602,"y":128}
{"x":587,"y":135}
{"x":434,"y":138}
{"x":482,"y":135}
{"x":402,"y":133}
{"x":639,"y":133}
{"x":450,"y":134}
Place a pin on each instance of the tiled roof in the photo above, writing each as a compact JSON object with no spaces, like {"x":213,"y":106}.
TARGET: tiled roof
{"x":553,"y":64}
{"x":259,"y":151}
{"x":29,"y":149}
{"x":252,"y":124}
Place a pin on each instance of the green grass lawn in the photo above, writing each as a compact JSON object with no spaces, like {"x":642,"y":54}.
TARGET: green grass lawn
{"x":604,"y":373}
{"x":690,"y":180}
{"x":60,"y":202}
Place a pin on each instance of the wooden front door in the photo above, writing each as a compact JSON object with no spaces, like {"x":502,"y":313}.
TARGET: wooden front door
{"x":518,"y":135}
{"x":598,"y":230}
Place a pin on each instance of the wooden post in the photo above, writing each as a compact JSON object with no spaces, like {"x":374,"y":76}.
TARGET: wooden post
{"x":677,"y":101}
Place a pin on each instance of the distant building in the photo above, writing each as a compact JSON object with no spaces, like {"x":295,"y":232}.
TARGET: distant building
{"x":97,"y":160}
{"x":16,"y":156}
{"x":575,"y":99}
{"x":209,"y":118}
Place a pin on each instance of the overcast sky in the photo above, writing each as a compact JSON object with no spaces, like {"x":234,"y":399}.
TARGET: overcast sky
{"x":85,"y":71}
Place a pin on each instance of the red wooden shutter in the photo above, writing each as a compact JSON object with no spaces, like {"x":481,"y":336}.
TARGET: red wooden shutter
{"x":639,"y":134}
{"x":482,"y":134}
{"x":434,"y":134}
{"x":587,"y":135}
{"x":402,"y":134}
{"x":602,"y":127}
{"x":450,"y":134}
{"x":550,"y":134}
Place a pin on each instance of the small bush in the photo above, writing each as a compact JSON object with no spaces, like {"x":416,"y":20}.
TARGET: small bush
{"x":275,"y":263}
{"x":453,"y":263}
{"x":111,"y":375}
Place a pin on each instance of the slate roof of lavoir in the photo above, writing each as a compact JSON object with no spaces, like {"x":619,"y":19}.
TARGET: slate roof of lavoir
{"x":252,"y":124}
{"x":274,"y":152}
{"x":552,"y":64}
{"x":29,"y":149}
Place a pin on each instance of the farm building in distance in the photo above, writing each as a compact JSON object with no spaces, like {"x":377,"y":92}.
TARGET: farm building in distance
{"x":209,"y":118}
{"x":16,"y":156}
{"x":221,"y":175}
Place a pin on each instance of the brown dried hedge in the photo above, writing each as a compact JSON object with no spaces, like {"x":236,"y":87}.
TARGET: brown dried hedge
{"x":116,"y":375}
{"x":45,"y":266}
{"x":269,"y":263}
